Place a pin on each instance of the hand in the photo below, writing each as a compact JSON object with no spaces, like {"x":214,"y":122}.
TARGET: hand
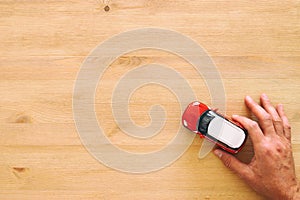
{"x":271,"y":171}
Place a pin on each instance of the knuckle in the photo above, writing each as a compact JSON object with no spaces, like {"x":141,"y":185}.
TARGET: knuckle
{"x":277,"y":120}
{"x":253,"y":125}
{"x":267,"y":147}
{"x":267,"y":117}
{"x":267,"y":150}
{"x":275,"y":147}
{"x":280,"y":147}
{"x":288,"y":126}
{"x":288,"y":146}
{"x":278,"y":123}
{"x":227,"y":162}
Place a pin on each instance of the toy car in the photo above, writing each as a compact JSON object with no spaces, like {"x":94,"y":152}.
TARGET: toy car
{"x":227,"y":134}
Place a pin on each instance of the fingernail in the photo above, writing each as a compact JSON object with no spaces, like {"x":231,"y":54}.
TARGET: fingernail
{"x":235,"y":116}
{"x":218,"y":153}
{"x":248,"y":98}
{"x":264,"y":95}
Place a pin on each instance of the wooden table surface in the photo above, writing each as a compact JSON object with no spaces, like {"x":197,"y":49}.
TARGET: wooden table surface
{"x":254,"y":44}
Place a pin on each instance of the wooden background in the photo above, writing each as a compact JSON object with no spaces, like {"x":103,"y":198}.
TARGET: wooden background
{"x":254,"y":44}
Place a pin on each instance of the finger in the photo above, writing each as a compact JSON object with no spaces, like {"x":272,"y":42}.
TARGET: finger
{"x":241,"y":169}
{"x":277,"y":122}
{"x":264,"y":118}
{"x":252,"y":127}
{"x":215,"y":109}
{"x":285,"y":122}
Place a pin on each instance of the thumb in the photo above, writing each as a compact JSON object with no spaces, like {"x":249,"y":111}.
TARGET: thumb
{"x":231,"y":162}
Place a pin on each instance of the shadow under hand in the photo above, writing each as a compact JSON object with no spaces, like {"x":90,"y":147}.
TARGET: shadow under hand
{"x":247,"y":153}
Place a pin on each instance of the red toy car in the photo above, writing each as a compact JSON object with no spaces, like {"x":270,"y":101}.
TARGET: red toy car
{"x":227,"y":134}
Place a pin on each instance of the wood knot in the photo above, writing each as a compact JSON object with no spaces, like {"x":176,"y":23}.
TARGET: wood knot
{"x":19,"y":169}
{"x":23,"y":119}
{"x":106,"y":8}
{"x":20,"y":172}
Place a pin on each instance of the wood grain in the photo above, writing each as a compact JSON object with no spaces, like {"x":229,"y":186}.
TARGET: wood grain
{"x":254,"y":44}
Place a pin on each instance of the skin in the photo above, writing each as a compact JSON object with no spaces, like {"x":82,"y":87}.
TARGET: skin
{"x":271,"y":172}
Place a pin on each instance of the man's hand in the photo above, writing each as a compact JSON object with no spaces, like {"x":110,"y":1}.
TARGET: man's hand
{"x":271,"y":171}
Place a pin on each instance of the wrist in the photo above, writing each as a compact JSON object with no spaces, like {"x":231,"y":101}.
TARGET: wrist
{"x":293,"y":193}
{"x":296,"y":192}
